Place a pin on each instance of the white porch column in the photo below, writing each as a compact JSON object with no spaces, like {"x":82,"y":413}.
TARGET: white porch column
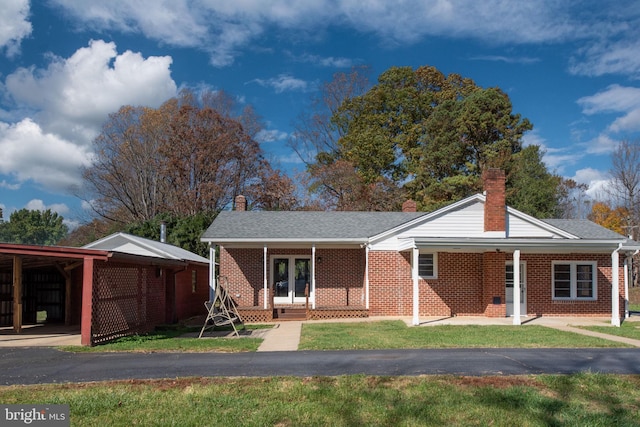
{"x":366,"y":277}
{"x":312,"y":290}
{"x":416,"y":288}
{"x":265,"y":281}
{"x":516,"y":287}
{"x":212,"y":272}
{"x":615,"y":284}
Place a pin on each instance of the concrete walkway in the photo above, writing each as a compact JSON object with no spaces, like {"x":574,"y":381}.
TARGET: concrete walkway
{"x":284,"y":336}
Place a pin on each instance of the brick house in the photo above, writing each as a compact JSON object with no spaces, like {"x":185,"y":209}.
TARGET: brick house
{"x":457,"y":261}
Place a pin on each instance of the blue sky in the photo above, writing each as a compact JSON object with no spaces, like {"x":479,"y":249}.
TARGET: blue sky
{"x":571,"y":67}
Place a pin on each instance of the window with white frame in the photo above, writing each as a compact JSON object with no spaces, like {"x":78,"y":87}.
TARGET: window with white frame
{"x":428,"y":265}
{"x":574,"y":280}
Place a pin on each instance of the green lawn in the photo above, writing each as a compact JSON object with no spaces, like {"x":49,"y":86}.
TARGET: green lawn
{"x":627,"y":329}
{"x":573,"y":400}
{"x":172,"y":339}
{"x":396,"y":334}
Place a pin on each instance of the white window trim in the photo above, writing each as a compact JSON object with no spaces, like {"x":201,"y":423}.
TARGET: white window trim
{"x":573,"y":278}
{"x":435,"y":264}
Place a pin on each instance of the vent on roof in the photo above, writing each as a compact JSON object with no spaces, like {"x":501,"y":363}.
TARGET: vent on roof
{"x":163,"y":232}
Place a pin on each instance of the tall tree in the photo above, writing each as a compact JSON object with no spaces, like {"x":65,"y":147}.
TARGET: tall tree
{"x":182,"y":158}
{"x":125,"y":179}
{"x":532,"y":188}
{"x":613,"y":219}
{"x":427,"y":134}
{"x":625,"y":182}
{"x":33,"y":227}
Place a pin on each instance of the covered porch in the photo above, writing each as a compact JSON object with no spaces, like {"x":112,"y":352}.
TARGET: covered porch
{"x":278,"y":281}
{"x":505,"y":286}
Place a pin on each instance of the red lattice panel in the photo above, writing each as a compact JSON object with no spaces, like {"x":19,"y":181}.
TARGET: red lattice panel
{"x":127,"y":299}
{"x":338,"y":313}
{"x":255,"y":315}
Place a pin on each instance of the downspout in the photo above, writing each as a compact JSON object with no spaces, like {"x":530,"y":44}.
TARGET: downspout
{"x":416,"y":289}
{"x":615,"y":286}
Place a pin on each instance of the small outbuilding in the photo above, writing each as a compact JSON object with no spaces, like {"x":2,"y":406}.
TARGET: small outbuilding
{"x":117,"y":286}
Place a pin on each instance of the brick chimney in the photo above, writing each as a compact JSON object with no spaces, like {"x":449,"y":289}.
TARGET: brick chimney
{"x":241,"y":203}
{"x":495,"y":210}
{"x":409,"y":206}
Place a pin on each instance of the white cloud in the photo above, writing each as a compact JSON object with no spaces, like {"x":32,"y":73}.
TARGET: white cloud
{"x":223,"y":28}
{"x":65,"y":105}
{"x":609,"y":57}
{"x":602,"y":144}
{"x":506,"y":59}
{"x":14,"y":25}
{"x":28,"y":153}
{"x":38,"y":205}
{"x":9,"y":185}
{"x":615,"y":98}
{"x":283,"y":83}
{"x":73,"y":97}
{"x":598,"y":181}
{"x":271,"y":135}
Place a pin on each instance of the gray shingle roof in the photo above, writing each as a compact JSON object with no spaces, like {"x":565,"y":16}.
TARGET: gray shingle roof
{"x":265,"y":225}
{"x":583,"y":229}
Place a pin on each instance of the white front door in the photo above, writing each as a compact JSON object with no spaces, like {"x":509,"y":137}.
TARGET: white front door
{"x":290,"y":276}
{"x":509,"y":288}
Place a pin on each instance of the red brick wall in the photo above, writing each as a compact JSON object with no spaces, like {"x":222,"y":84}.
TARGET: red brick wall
{"x":189,"y":303}
{"x":339,"y":275}
{"x":539,"y":287}
{"x":467,"y":284}
{"x":340,"y":278}
{"x":457,"y":290}
{"x":493,"y":282}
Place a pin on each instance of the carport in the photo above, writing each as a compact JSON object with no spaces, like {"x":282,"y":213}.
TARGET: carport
{"x":107,"y":293}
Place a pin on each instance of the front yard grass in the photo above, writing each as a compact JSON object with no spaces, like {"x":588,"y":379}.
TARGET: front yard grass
{"x":172,"y":339}
{"x":545,"y":400}
{"x":628,"y":329}
{"x":397,"y":335}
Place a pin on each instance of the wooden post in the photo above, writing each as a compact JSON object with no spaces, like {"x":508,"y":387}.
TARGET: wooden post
{"x":87,"y":302}
{"x":306,"y":297}
{"x":17,"y":294}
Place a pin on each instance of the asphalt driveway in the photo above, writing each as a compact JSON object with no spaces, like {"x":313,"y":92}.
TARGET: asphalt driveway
{"x":30,"y":365}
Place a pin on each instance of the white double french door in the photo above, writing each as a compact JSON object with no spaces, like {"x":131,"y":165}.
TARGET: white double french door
{"x":290,"y":275}
{"x":509,"y":276}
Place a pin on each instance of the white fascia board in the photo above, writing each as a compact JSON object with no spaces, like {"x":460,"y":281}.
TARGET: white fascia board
{"x":503,"y":244}
{"x":427,"y":216}
{"x":356,"y":241}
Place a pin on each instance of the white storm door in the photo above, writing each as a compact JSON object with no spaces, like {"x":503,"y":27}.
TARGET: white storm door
{"x":509,"y":288}
{"x":290,"y":275}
